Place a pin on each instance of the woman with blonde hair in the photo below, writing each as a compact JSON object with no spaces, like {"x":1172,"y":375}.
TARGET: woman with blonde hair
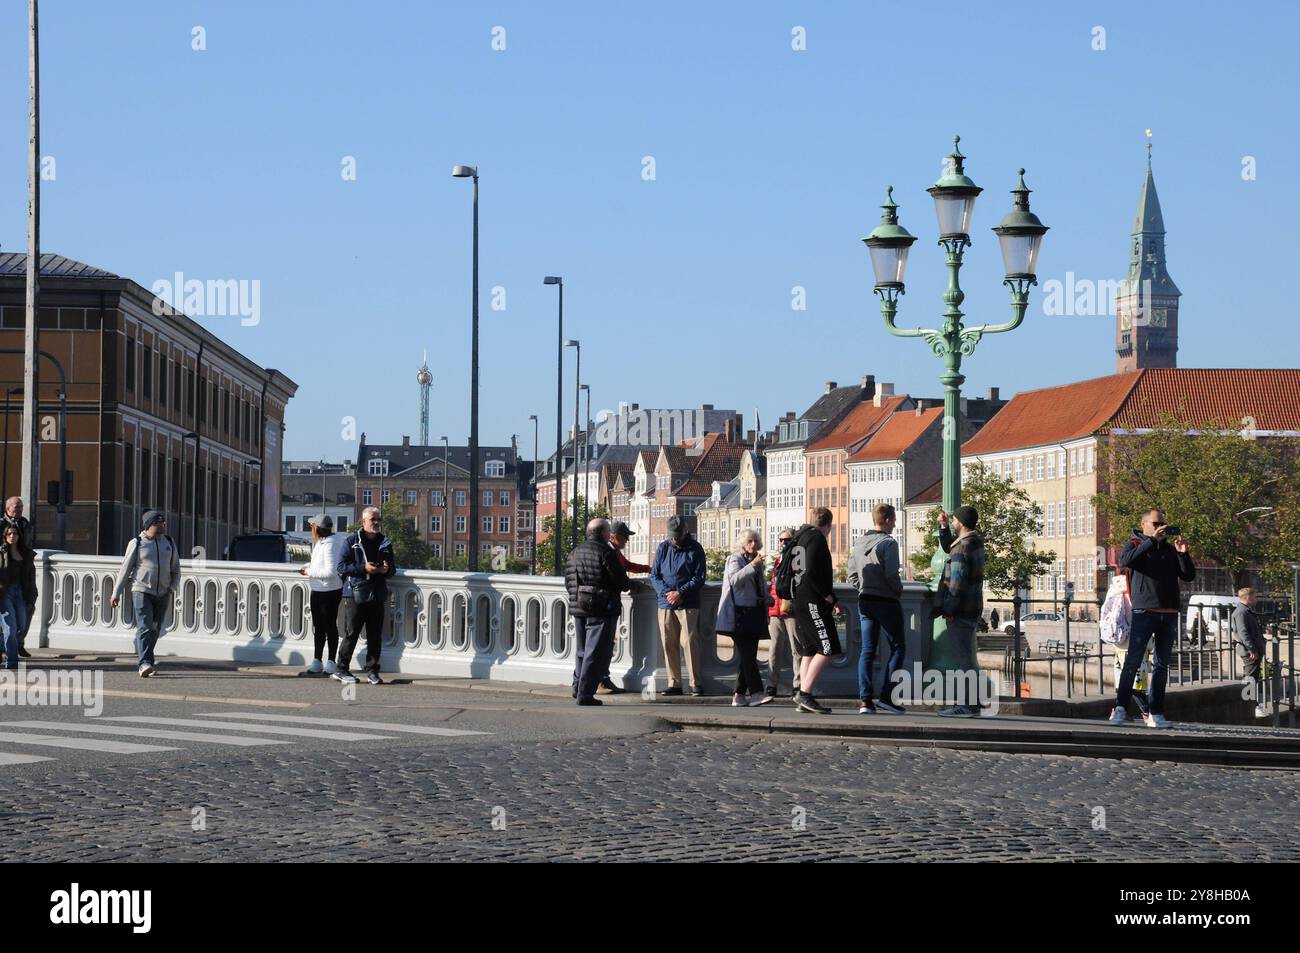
{"x":326,"y":589}
{"x":742,"y":615}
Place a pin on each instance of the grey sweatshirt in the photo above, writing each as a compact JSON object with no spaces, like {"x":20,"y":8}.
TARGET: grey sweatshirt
{"x":150,"y":565}
{"x":874,"y":565}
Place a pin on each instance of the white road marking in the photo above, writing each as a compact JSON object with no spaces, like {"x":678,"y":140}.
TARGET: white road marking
{"x":236,"y":726}
{"x":7,"y":758}
{"x":345,"y":723}
{"x":81,"y":744}
{"x":146,"y":732}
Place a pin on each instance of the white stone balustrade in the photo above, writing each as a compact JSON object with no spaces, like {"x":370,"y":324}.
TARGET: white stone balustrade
{"x":477,"y":625}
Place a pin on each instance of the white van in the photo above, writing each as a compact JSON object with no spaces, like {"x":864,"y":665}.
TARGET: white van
{"x":1208,"y":614}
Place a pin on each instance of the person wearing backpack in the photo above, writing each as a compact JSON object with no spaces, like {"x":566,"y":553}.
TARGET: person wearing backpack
{"x":783,"y":639}
{"x":152,"y":566}
{"x":815,"y":606}
{"x":1154,"y":568}
{"x":874,"y":572}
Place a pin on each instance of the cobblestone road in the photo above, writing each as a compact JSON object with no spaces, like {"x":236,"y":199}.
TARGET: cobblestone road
{"x":672,"y":796}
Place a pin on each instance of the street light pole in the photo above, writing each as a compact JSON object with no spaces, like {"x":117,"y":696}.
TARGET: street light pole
{"x":532,"y":543}
{"x":586,"y":460}
{"x":1020,"y":234}
{"x":31,"y":375}
{"x":464,"y":171}
{"x":577,"y":393}
{"x":559,"y":416}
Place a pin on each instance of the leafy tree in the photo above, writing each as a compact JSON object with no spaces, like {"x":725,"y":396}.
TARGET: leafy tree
{"x":410,"y":551}
{"x":1008,"y":522}
{"x":715,"y":563}
{"x":546,"y":548}
{"x":1203,"y":475}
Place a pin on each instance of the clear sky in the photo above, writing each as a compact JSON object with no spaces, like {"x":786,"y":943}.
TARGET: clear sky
{"x":769,"y":167}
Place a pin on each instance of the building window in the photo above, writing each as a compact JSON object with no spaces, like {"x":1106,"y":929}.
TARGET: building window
{"x":503,"y":524}
{"x":486,"y":523}
{"x":1017,"y":477}
{"x":367,"y":497}
{"x":460,"y":524}
{"x":487,"y":497}
{"x":503,"y":498}
{"x":435,"y":549}
{"x":495,"y":468}
{"x":435,"y":523}
{"x":162,"y":380}
{"x":1051,"y":466}
{"x":341,"y":524}
{"x":411,"y":497}
{"x":383,"y":497}
{"x":377,"y":467}
{"x":1038,"y":461}
{"x":460,"y":497}
{"x":460,"y":549}
{"x":435,"y":497}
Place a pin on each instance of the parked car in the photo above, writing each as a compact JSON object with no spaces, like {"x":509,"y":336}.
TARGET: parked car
{"x":1010,"y":626}
{"x":267,"y":546}
{"x":1207,"y":614}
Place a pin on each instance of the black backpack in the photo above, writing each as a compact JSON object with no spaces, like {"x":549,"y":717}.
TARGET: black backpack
{"x":785,"y":574}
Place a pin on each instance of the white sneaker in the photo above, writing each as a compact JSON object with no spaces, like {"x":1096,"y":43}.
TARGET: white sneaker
{"x":1156,"y":721}
{"x":330,"y":667}
{"x":315,"y":668}
{"x":737,"y":700}
{"x":1118,"y":716}
{"x":146,"y":670}
{"x":759,"y":698}
{"x":1263,"y":711}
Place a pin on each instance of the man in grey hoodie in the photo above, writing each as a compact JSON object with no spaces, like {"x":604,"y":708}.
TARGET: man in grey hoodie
{"x":874,"y":572}
{"x":153,"y":568}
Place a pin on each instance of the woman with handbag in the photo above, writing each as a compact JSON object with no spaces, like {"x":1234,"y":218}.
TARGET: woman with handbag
{"x":742,"y":615}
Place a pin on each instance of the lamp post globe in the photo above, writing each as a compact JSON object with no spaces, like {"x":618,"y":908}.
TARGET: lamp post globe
{"x":1021,"y":235}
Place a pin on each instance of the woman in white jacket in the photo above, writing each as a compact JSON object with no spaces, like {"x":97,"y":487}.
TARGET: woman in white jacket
{"x":742,"y":614}
{"x":326,"y":588}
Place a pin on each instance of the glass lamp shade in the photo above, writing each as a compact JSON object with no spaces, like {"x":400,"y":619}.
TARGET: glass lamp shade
{"x":954,"y":209}
{"x":889,"y":262}
{"x":1020,"y":254}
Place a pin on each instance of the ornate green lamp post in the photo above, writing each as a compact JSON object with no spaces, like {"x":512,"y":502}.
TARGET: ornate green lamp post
{"x":1021,"y":235}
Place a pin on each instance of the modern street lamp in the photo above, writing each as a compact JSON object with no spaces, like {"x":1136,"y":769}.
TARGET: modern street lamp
{"x":577,"y":392}
{"x":559,"y":416}
{"x":586,"y":460}
{"x":1021,"y":235}
{"x":533,"y":542}
{"x":471,"y":172}
{"x":446,"y":511}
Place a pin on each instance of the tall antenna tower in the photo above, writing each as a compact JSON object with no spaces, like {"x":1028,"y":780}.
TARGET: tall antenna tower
{"x":425,"y":379}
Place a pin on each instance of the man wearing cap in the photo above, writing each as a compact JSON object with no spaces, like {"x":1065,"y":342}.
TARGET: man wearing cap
{"x":960,"y":600}
{"x":13,"y":516}
{"x":678,"y":577}
{"x":152,"y":565}
{"x":619,"y":535}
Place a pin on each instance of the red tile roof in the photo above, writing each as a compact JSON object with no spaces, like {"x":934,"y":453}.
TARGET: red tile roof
{"x":1224,"y":396}
{"x":1141,"y":399}
{"x":897,"y":434}
{"x":860,"y":422}
{"x":1038,"y":417}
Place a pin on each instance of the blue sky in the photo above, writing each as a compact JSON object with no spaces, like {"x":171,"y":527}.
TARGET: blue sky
{"x":770,"y":165}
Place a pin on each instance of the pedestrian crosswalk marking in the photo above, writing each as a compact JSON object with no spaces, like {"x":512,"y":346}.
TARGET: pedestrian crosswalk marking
{"x":145,"y":731}
{"x":82,"y":744}
{"x":344,"y":722}
{"x":7,"y":758}
{"x":236,"y":726}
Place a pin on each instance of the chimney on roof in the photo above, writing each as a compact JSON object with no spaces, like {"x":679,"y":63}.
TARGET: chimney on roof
{"x":868,"y":385}
{"x":830,"y":386}
{"x":749,"y":436}
{"x":706,"y":406}
{"x":729,"y":430}
{"x":887,"y":390}
{"x":993,"y":393}
{"x":789,"y":415}
{"x":920,"y":407}
{"x":406,"y":442}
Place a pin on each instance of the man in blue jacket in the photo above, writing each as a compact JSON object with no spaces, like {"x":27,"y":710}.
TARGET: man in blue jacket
{"x":678,"y":577}
{"x":366,"y":564}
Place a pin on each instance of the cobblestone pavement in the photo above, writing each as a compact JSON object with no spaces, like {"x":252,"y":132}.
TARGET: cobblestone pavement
{"x":659,"y":795}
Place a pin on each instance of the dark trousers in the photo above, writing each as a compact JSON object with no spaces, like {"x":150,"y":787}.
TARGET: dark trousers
{"x":369,"y":615}
{"x":1163,"y":628}
{"x":325,"y":620}
{"x":150,"y":617}
{"x":749,"y":681}
{"x":876,"y":616}
{"x":593,"y":648}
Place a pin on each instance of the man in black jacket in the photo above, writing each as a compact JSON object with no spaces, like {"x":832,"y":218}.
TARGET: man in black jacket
{"x":365,"y":566}
{"x":595,"y":580}
{"x":1154,"y":567}
{"x":814,"y":607}
{"x":1248,"y":640}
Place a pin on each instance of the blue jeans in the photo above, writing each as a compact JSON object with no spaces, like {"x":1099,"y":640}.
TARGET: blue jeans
{"x":15,"y":615}
{"x":593,"y":649}
{"x":150,"y":617}
{"x":1164,"y":627}
{"x":877,"y":616}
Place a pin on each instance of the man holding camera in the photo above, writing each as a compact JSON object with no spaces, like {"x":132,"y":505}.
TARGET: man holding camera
{"x":1154,"y":566}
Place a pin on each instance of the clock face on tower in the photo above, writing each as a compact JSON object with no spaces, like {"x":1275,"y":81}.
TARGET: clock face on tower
{"x":1160,"y":317}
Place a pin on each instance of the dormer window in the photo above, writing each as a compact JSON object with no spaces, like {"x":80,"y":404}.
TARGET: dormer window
{"x":378,"y":468}
{"x":495,"y":468}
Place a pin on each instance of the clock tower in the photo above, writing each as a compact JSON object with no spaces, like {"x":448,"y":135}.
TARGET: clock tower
{"x":1146,"y":310}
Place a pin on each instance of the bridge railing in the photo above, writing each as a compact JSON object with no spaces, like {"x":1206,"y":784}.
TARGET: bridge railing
{"x":478,"y":625}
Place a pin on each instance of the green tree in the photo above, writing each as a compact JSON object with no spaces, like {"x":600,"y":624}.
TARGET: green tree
{"x":1203,"y":475}
{"x":1008,"y":521}
{"x":715,"y":563}
{"x":546,"y":548}
{"x":409,"y":550}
